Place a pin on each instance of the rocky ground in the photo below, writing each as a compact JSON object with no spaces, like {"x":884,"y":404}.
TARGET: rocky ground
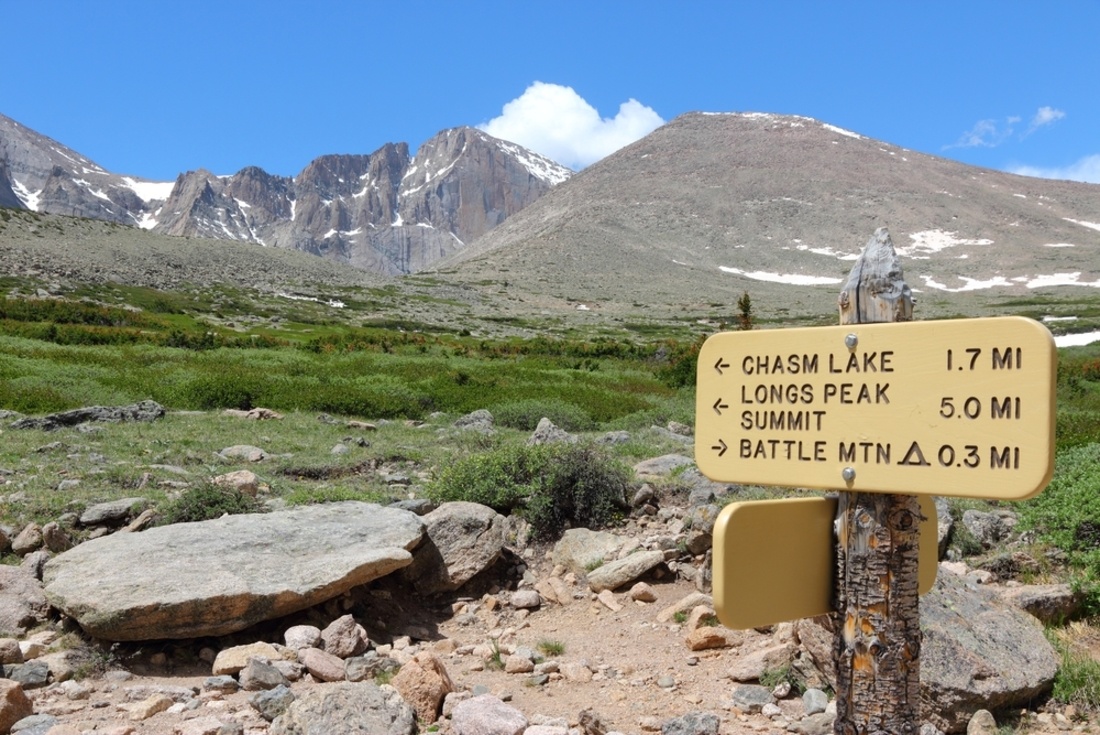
{"x":538,"y":634}
{"x":610,"y":662}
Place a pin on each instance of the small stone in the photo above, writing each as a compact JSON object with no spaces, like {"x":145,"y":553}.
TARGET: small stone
{"x":526,"y":599}
{"x":814,"y":701}
{"x":607,"y":597}
{"x":642,"y":592}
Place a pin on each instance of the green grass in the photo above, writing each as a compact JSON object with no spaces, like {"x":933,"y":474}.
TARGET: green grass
{"x":551,"y":647}
{"x":1078,"y":678}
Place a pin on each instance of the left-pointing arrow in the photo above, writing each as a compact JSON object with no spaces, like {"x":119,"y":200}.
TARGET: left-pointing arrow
{"x":720,"y":447}
{"x":718,"y":405}
{"x":721,"y":364}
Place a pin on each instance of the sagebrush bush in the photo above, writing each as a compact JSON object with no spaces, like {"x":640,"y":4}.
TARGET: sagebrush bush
{"x":206,"y":501}
{"x":525,"y":414}
{"x":553,"y":486}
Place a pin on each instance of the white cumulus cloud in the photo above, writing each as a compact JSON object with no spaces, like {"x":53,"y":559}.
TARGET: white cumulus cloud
{"x":991,"y":133}
{"x":1087,"y":169}
{"x":558,"y":123}
{"x":1045,"y":116}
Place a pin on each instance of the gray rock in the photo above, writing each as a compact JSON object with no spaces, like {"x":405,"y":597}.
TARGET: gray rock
{"x":271,"y":703}
{"x":247,"y":452}
{"x":346,"y":708}
{"x":265,"y":566}
{"x":614,"y":437}
{"x":982,"y":723}
{"x":28,"y":540}
{"x":819,"y":724}
{"x":751,"y":698}
{"x":480,"y":421}
{"x":1052,"y":604}
{"x":580,"y":549}
{"x":368,"y":666}
{"x":420,"y":506}
{"x":462,"y":539}
{"x":32,"y":674}
{"x":945,"y":523}
{"x":35,"y":562}
{"x":525,"y":599}
{"x":661,"y":466}
{"x":547,"y":433}
{"x":486,"y":715}
{"x":142,"y":411}
{"x":693,"y":723}
{"x":979,"y":653}
{"x":814,"y":701}
{"x":302,"y":636}
{"x":623,"y":571}
{"x":112,"y":513}
{"x":55,"y":539}
{"x":645,"y":495}
{"x":701,"y":527}
{"x":987,"y":528}
{"x":258,"y":675}
{"x":22,"y":603}
{"x":34,"y":725}
{"x":344,"y":637}
{"x":222,"y":683}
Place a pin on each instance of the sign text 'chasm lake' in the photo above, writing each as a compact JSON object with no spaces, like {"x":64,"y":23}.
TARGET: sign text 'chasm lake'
{"x":962,"y":407}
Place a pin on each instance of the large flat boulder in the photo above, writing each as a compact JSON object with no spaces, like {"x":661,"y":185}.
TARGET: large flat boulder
{"x":210,"y":578}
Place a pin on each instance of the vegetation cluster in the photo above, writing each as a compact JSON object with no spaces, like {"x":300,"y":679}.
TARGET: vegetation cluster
{"x":62,"y":354}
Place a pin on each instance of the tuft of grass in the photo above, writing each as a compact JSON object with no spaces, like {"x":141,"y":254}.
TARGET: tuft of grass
{"x":551,"y":647}
{"x":496,"y":658}
{"x":1078,"y":678}
{"x":773,"y":677}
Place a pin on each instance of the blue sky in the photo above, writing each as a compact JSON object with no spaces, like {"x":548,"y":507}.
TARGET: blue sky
{"x":153,"y":88}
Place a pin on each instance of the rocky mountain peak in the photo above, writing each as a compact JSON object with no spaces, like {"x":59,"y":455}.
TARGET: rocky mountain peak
{"x":386,"y":211}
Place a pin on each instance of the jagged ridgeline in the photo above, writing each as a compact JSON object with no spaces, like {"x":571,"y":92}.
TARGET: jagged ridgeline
{"x":390,"y":211}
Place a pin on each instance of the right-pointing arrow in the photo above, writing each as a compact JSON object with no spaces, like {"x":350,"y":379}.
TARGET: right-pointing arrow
{"x":720,"y":447}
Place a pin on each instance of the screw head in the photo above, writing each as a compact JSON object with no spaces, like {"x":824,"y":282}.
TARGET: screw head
{"x":851,"y":341}
{"x":848,"y":474}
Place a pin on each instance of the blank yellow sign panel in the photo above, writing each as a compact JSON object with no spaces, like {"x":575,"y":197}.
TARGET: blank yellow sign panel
{"x":774,"y":560}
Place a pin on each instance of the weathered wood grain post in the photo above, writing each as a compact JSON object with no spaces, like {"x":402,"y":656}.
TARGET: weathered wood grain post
{"x":878,"y":638}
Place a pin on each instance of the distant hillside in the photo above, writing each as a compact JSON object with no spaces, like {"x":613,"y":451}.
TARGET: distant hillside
{"x":709,"y":206}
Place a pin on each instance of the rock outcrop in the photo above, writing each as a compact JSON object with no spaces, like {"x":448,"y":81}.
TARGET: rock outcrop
{"x":214,"y":577}
{"x":388,"y":212}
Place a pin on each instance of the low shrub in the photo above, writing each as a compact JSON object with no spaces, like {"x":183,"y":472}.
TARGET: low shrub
{"x":525,"y":414}
{"x":553,"y":486}
{"x":206,"y":501}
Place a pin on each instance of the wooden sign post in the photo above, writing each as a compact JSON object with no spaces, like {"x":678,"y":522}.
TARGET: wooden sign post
{"x":876,"y":648}
{"x":885,"y":410}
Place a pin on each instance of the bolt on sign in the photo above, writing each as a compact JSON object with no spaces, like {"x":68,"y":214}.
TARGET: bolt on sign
{"x":958,"y":407}
{"x":795,"y":538}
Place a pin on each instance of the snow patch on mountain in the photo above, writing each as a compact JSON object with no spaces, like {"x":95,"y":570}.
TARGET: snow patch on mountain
{"x":791,"y":279}
{"x":30,"y":199}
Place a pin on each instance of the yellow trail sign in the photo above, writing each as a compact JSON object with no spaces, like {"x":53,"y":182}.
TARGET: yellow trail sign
{"x":774,"y":559}
{"x":961,"y":407}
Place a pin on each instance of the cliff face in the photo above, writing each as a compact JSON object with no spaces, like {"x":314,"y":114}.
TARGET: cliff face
{"x":388,"y":211}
